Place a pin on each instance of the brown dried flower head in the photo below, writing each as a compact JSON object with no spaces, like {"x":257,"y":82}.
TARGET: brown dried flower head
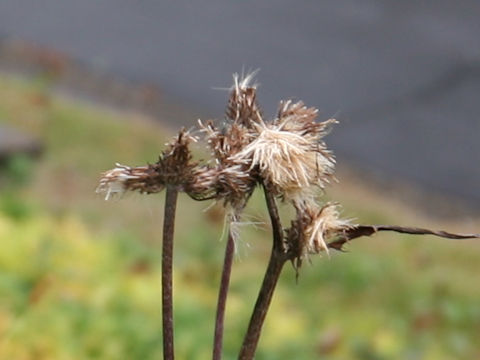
{"x":232,"y":180}
{"x":289,"y":152}
{"x":174,"y":167}
{"x":313,"y":229}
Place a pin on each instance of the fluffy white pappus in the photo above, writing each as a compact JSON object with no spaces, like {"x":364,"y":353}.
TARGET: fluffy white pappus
{"x":244,"y":81}
{"x":286,"y":159}
{"x":326,"y":222}
{"x":113,"y":181}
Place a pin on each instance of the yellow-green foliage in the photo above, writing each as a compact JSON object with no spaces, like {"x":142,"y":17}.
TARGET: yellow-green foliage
{"x":80,"y":278}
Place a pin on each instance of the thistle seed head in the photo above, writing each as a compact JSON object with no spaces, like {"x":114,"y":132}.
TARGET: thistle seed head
{"x":174,"y":167}
{"x":313,"y":229}
{"x":290,"y":156}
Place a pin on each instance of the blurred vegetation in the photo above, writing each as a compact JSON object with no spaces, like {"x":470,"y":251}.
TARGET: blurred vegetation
{"x":80,"y":277}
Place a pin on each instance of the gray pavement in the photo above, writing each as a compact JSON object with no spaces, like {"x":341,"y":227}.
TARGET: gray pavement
{"x":403,"y":77}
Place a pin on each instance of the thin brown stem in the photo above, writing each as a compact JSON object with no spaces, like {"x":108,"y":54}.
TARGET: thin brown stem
{"x":264,"y":299}
{"x":278,"y":243}
{"x":167,"y":263}
{"x":222,"y":297}
{"x":278,"y":257}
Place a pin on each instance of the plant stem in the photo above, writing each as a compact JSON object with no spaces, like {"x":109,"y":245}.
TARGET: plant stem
{"x":222,"y":297}
{"x":167,"y":262}
{"x":278,"y":257}
{"x":264,"y":298}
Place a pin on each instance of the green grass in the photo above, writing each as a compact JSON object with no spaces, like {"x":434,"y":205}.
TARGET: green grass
{"x":80,"y":277}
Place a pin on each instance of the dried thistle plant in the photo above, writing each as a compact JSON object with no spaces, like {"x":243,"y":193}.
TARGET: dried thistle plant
{"x":235,"y":179}
{"x":288,"y":158}
{"x":172,"y":171}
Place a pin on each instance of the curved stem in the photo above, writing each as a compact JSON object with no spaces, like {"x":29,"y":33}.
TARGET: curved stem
{"x":167,"y":263}
{"x":222,"y":297}
{"x":278,"y":257}
{"x":250,"y":342}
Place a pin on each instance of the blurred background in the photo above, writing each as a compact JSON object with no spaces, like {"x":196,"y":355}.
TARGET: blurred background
{"x":85,"y":84}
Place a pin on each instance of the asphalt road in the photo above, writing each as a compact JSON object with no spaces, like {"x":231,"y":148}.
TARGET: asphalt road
{"x":403,"y":77}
